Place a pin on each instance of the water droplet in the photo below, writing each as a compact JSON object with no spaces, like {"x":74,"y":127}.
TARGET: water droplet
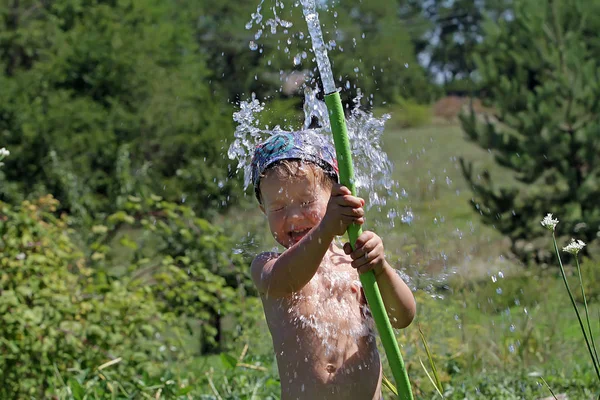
{"x":252,"y":45}
{"x":407,"y":217}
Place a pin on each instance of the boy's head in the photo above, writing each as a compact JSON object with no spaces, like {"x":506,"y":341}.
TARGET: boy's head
{"x":292,"y":175}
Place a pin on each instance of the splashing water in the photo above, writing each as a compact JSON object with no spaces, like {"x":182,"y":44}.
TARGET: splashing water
{"x":333,"y":315}
{"x":372,"y":167}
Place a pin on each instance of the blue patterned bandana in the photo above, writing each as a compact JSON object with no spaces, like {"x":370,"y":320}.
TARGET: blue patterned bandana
{"x":303,"y":145}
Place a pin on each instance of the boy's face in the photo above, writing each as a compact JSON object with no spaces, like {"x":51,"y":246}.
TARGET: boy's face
{"x":293,"y":205}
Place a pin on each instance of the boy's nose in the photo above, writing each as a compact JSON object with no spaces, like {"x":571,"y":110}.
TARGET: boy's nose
{"x":294,"y":214}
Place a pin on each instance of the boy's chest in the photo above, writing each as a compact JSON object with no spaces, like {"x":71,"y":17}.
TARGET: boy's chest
{"x":333,"y":293}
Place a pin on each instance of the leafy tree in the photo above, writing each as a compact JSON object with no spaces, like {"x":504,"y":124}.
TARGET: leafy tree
{"x":453,"y":30}
{"x":84,"y":82}
{"x":540,"y":71}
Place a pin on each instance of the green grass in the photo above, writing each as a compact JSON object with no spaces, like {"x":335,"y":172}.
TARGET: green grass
{"x":446,"y":232}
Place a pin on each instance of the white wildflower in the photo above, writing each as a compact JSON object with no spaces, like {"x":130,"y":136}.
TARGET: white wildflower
{"x":549,"y":223}
{"x":574,"y":246}
{"x":3,"y":153}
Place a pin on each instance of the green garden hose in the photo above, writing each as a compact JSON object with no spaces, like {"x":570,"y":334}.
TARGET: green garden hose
{"x":369,"y":283}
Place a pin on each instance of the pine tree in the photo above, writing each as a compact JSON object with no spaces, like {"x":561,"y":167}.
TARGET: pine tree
{"x":540,"y":72}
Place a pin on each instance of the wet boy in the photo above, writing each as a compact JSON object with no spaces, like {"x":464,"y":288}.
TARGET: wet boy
{"x":314,"y":305}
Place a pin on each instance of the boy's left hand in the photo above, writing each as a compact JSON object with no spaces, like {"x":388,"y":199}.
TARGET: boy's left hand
{"x":368,"y":254}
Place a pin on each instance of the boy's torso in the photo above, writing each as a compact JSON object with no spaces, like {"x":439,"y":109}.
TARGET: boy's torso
{"x":323,"y":339}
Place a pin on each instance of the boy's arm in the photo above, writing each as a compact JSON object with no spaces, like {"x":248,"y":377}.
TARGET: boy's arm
{"x":279,"y":275}
{"x":397,"y":297}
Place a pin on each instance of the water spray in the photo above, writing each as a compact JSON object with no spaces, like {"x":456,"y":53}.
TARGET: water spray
{"x":346,"y":173}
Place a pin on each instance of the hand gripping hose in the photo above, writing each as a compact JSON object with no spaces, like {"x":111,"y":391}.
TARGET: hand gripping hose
{"x":369,"y":283}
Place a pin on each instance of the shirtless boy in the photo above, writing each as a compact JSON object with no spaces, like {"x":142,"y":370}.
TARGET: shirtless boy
{"x":314,"y":305}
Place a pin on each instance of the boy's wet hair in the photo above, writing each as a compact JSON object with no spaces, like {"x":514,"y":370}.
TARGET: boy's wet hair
{"x":294,"y":168}
{"x":302,"y":146}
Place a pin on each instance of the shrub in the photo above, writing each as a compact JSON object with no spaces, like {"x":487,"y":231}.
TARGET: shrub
{"x":58,"y":316}
{"x":185,"y":261}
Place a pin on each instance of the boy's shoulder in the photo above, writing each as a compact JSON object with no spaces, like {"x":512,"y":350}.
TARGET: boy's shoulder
{"x":258,"y":264}
{"x":264,"y":257}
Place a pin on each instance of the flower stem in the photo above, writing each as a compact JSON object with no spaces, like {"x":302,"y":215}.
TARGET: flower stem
{"x":564,"y":276}
{"x":587,"y":313}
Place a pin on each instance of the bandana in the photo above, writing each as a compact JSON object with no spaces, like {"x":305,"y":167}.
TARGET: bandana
{"x":304,"y":145}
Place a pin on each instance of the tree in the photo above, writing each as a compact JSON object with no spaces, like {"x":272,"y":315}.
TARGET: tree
{"x":370,"y":48}
{"x":540,"y":71}
{"x":455,"y":29}
{"x":84,"y":83}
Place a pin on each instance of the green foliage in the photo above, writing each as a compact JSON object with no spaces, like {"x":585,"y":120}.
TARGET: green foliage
{"x":407,"y":113}
{"x":283,"y":112}
{"x":516,"y":386}
{"x":84,"y":83}
{"x":494,"y":296}
{"x":109,"y":318}
{"x":590,"y":272}
{"x":373,"y":50}
{"x":540,"y":72}
{"x":470,"y":345}
{"x":457,"y":27}
{"x":182,"y":259}
{"x":59,"y":318}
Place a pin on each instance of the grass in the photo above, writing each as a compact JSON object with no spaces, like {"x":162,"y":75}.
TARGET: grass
{"x":446,"y":232}
{"x":493,"y":327}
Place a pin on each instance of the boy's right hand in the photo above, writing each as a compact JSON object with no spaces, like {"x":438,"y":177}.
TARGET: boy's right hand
{"x":343,"y":209}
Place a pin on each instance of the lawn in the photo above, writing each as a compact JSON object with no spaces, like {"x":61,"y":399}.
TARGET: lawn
{"x":495,"y":327}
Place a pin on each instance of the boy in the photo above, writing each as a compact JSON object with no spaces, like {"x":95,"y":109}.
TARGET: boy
{"x":313,"y":303}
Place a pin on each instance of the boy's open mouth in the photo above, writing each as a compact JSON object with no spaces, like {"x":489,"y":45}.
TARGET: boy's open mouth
{"x":298,"y":234}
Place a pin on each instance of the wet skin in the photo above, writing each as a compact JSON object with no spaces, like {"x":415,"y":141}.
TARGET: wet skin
{"x":311,"y":293}
{"x":322,"y":338}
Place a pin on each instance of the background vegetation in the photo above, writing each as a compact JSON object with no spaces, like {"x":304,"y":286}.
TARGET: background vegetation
{"x":126,"y":235}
